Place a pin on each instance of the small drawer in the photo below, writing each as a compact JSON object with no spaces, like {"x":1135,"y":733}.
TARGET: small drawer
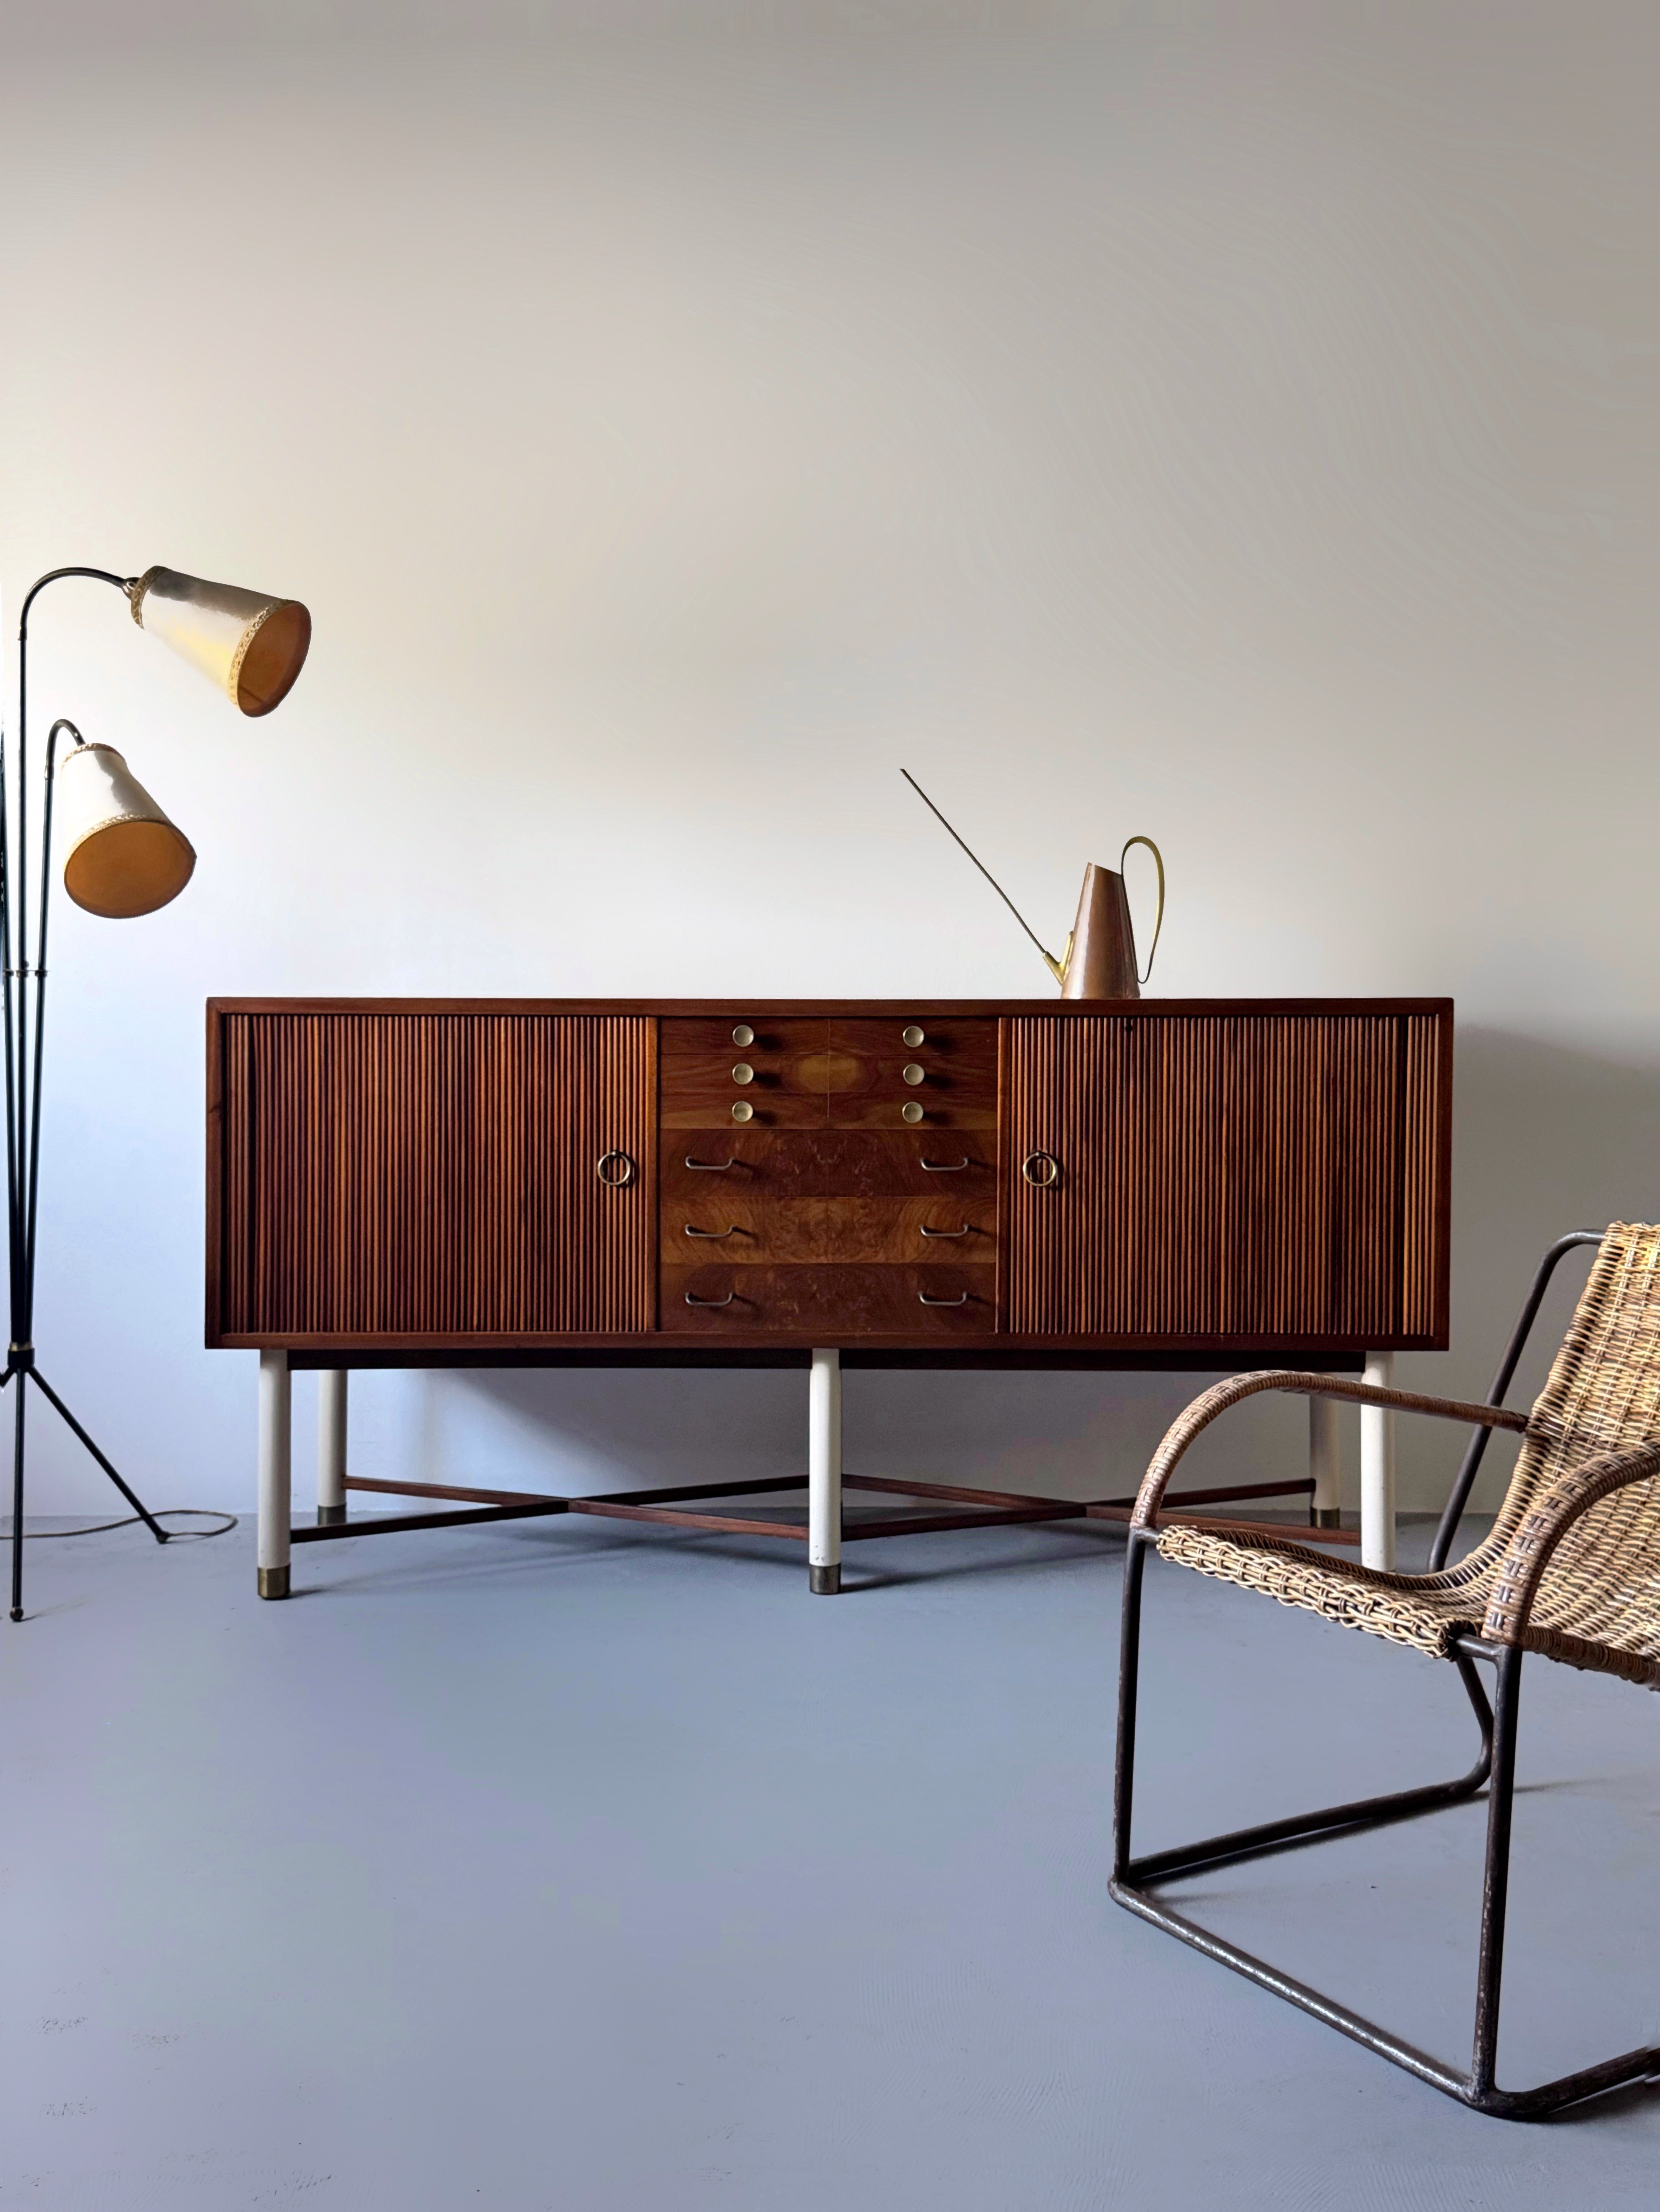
{"x":879,"y":1081}
{"x":774,"y":1081}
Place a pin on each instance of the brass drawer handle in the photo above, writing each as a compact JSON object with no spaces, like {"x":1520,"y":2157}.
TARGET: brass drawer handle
{"x":1040,"y":1170}
{"x":923,"y":1299}
{"x":726,"y":1300}
{"x":944,"y":1167}
{"x":743,"y":1034}
{"x":709,"y":1167}
{"x":716,"y":1233}
{"x":742,"y":1073}
{"x":963,"y":1231}
{"x":914,"y":1071}
{"x":614,"y":1181}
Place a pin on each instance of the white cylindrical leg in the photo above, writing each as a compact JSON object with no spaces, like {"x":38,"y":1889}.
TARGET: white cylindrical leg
{"x":276,"y":1395}
{"x":331,"y":1444}
{"x":824,"y":1475}
{"x":1377,"y":1469}
{"x":1325,"y":1462}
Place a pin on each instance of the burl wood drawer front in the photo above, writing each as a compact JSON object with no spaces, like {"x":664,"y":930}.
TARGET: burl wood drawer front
{"x":837,"y":1302}
{"x":946,"y":1081}
{"x":740,"y":1232}
{"x":1229,"y":1174}
{"x":775,"y":1081}
{"x":395,"y":1175}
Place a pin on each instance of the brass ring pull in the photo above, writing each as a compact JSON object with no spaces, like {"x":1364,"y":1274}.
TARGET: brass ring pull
{"x":963,"y":1231}
{"x":1159,"y":862}
{"x":1040,"y":1170}
{"x":614,"y":1181}
{"x":923,"y":1299}
{"x":726,"y":1300}
{"x":716,"y":1233}
{"x":709,"y":1167}
{"x":943,"y":1167}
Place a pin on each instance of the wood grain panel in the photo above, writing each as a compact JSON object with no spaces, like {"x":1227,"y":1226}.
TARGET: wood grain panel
{"x":1231,"y":1175}
{"x":430,"y":1173}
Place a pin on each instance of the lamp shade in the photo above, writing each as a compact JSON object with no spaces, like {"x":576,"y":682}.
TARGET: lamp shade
{"x":122,"y":856}
{"x":251,"y":646}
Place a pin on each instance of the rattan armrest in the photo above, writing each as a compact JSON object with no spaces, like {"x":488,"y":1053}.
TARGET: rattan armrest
{"x":1206,"y":1407}
{"x":1509,"y":1601}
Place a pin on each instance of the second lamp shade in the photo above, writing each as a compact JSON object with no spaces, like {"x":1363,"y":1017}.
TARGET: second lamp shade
{"x":122,"y":855}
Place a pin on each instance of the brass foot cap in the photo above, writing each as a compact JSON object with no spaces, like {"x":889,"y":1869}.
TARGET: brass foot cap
{"x":825,"y":1582}
{"x":273,"y":1582}
{"x":1327,"y":1516}
{"x":329,"y":1517}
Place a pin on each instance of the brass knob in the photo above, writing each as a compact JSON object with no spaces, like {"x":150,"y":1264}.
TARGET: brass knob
{"x":1041,"y":1169}
{"x":742,"y":1110}
{"x":911,"y":1111}
{"x":914,"y":1071}
{"x":912,"y":1036}
{"x":743,"y":1034}
{"x":742,"y":1073}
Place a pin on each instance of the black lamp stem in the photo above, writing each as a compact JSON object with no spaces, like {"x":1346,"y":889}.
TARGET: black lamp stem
{"x":23,"y":1081}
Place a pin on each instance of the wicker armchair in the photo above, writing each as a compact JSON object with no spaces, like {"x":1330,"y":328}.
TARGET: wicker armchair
{"x":1570,"y":1569}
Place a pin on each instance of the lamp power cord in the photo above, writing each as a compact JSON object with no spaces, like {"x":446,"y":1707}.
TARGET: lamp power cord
{"x":228,"y":1522}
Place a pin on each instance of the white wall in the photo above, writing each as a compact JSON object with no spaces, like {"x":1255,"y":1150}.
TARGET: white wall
{"x":1235,"y":425}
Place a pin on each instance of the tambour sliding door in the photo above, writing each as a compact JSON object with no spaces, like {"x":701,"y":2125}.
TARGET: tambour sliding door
{"x":1228,"y":1175}
{"x":435,"y":1174}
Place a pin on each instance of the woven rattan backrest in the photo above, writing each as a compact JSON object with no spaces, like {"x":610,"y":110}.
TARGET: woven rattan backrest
{"x":1602,"y":1395}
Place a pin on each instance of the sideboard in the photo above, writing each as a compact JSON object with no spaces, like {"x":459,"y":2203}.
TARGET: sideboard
{"x":1209,"y":1184}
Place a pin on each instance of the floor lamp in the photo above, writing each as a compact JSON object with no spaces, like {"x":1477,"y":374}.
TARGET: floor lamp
{"x":124,"y":857}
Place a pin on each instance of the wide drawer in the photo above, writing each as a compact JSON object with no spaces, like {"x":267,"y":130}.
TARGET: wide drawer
{"x":833,"y":1302}
{"x":747,"y":1233}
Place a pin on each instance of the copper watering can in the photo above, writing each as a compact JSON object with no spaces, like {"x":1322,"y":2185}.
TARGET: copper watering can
{"x":1099,"y":961}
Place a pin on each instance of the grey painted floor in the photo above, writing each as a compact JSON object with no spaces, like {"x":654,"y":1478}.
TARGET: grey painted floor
{"x":574,"y":1870}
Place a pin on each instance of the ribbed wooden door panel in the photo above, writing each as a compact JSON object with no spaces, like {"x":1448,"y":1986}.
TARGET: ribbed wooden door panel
{"x":1253,"y":1176}
{"x":435,"y":1174}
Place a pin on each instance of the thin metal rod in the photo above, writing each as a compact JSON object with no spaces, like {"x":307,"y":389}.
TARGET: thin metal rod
{"x":17,"y":1505}
{"x":35,"y":1375}
{"x":32,"y":1194}
{"x":1496,"y":1888}
{"x":1051,"y":962}
{"x":1464,"y":1481}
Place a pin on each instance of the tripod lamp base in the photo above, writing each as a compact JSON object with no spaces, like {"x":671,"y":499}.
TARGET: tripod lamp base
{"x":273,"y":1582}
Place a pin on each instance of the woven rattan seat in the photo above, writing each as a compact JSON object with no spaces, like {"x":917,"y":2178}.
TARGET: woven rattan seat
{"x":1570,"y":1569}
{"x":1597,"y":1604}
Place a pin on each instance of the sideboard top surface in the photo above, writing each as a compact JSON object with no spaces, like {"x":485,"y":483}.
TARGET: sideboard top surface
{"x":764,"y":1002}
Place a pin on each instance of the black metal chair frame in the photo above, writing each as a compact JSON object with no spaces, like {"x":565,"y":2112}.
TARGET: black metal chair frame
{"x":1133,"y":1880}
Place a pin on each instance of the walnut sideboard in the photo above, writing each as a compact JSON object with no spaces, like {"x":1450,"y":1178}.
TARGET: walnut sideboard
{"x":1209,"y":1184}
